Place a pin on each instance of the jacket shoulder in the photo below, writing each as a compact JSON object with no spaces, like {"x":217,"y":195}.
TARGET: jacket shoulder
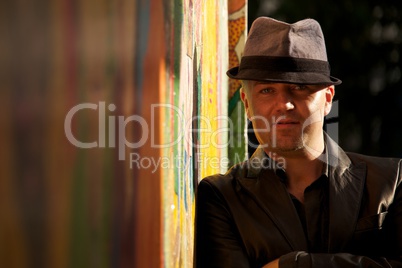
{"x":375,"y":161}
{"x":221,"y":181}
{"x":379,"y":168}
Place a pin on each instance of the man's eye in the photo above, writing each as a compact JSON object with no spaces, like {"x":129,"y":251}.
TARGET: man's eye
{"x":299,"y":87}
{"x":266,"y":90}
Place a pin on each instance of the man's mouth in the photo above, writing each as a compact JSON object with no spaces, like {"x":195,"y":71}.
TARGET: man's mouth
{"x":286,"y":123}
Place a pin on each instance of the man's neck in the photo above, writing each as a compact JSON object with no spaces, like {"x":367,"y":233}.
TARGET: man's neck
{"x":302,"y":169}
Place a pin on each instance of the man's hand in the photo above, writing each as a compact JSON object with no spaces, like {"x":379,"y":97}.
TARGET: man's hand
{"x":272,"y":264}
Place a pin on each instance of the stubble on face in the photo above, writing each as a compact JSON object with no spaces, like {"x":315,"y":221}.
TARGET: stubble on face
{"x":286,"y":140}
{"x":280,"y":140}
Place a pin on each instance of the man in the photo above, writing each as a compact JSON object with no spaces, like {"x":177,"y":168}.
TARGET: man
{"x":300,"y":200}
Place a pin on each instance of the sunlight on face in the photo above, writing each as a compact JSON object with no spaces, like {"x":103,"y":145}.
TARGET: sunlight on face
{"x":287,"y":117}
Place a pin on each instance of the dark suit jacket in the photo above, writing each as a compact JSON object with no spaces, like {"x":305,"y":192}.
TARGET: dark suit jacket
{"x":246,"y":217}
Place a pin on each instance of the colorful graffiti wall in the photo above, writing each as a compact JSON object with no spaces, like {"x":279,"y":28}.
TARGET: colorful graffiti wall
{"x":197,"y":87}
{"x":111,"y":112}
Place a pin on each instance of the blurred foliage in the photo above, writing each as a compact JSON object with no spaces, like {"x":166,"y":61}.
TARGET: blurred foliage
{"x":364,"y":41}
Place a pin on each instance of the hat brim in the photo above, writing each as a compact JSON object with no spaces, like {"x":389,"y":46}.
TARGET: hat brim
{"x":307,"y":78}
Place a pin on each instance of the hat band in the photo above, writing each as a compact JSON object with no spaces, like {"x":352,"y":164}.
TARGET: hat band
{"x":284,"y":64}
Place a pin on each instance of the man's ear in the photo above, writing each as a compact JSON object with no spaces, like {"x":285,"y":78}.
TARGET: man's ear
{"x":244,"y":99}
{"x":329,"y":96}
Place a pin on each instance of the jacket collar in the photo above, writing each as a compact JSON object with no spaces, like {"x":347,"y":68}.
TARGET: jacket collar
{"x":346,"y":182}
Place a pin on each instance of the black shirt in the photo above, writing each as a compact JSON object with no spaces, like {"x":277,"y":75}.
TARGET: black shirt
{"x":313,"y":214}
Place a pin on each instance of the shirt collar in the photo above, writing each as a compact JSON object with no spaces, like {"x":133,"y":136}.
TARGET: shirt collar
{"x":281,"y":173}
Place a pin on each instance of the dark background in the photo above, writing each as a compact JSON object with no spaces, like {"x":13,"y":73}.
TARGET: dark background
{"x":363,"y":40}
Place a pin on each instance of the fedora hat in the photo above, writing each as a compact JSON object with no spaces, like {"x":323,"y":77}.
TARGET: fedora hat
{"x":276,"y":51}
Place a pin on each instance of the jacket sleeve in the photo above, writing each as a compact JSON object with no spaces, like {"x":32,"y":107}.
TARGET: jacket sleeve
{"x":392,"y":246}
{"x":303,"y":259}
{"x":216,"y":237}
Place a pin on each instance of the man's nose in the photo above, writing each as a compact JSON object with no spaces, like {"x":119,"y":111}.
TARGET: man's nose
{"x":284,"y":102}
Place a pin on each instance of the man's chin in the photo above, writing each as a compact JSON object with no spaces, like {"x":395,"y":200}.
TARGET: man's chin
{"x":283,"y":149}
{"x":285,"y":145}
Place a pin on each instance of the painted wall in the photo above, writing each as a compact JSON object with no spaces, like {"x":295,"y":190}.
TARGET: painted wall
{"x":111,"y":112}
{"x":197,"y":88}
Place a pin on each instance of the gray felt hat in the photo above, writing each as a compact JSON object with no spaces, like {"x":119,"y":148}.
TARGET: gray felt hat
{"x":276,"y":51}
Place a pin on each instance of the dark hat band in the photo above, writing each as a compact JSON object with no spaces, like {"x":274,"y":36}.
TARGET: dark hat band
{"x":284,"y":70}
{"x":284,"y":64}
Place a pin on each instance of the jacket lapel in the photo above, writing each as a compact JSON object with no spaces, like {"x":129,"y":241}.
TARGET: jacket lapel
{"x":346,"y":185}
{"x":345,"y":194}
{"x":265,"y":187}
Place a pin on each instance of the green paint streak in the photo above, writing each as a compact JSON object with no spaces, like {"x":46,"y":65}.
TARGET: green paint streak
{"x":234,"y":101}
{"x":106,"y":208}
{"x":237,"y":150}
{"x":80,"y":245}
{"x":177,"y":25}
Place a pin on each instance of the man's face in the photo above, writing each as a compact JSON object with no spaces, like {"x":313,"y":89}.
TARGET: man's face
{"x":287,"y":117}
